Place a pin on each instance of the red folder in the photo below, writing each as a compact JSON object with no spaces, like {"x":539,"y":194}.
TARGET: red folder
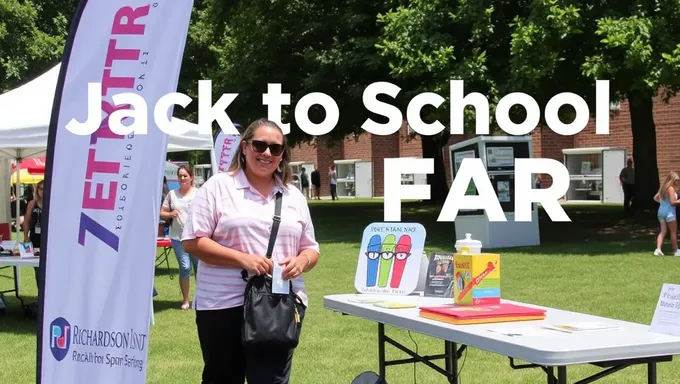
{"x":476,"y":314}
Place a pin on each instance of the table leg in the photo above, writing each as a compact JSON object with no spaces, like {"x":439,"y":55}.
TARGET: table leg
{"x":561,"y":375}
{"x":450,"y":349}
{"x":551,"y":374}
{"x":381,"y":352}
{"x":651,"y":373}
{"x":16,"y":286}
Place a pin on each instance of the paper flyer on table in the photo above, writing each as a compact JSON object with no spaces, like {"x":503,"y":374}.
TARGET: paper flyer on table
{"x":521,"y":331}
{"x":666,"y":318}
{"x":581,"y":327}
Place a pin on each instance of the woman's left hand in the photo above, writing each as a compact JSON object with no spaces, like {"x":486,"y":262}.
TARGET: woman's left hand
{"x":292,"y":267}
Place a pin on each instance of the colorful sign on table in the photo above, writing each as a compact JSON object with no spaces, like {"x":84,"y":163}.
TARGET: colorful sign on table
{"x":103,"y":193}
{"x":477,"y":278}
{"x":389,"y":258}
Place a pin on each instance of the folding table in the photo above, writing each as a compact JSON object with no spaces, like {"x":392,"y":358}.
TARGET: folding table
{"x":630,"y":344}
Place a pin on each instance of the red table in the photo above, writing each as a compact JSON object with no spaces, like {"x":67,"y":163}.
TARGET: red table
{"x":166,"y":246}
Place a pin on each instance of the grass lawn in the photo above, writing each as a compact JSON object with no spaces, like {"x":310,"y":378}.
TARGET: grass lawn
{"x":600,"y":263}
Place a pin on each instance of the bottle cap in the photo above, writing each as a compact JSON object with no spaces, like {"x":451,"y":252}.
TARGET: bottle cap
{"x":469,"y":242}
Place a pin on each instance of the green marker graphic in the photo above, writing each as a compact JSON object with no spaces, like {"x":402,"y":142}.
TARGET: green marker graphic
{"x":386,"y":257}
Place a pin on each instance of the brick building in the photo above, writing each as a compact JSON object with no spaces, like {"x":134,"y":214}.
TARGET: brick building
{"x":546,"y":144}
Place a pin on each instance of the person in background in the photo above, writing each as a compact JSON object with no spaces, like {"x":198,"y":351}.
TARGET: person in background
{"x":33,"y":223}
{"x":176,"y":207}
{"x":166,"y":227}
{"x":316,"y":184}
{"x":304,"y":182}
{"x":228,"y":230}
{"x":667,"y":197}
{"x":333,"y":177}
{"x":627,"y":178}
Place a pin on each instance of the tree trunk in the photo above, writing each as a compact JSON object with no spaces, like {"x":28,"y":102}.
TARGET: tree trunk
{"x":644,"y":151}
{"x":432,"y":149}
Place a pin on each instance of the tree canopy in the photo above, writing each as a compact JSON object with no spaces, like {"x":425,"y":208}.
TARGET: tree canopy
{"x":544,"y":47}
{"x":540,"y":47}
{"x":32,"y":38}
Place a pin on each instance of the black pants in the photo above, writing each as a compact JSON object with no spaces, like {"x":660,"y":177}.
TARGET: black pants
{"x":227,"y":362}
{"x":334,"y":193}
{"x":628,"y":197}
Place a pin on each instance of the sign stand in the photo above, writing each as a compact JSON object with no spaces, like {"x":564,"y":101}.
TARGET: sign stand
{"x":498,"y":154}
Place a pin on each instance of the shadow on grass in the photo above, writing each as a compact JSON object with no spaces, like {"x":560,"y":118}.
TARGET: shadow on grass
{"x":14,"y":320}
{"x":160,"y":305}
{"x":593,"y":229}
{"x":171,"y":273}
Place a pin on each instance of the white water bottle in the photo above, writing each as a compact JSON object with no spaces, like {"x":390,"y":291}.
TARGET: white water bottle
{"x":468,"y":245}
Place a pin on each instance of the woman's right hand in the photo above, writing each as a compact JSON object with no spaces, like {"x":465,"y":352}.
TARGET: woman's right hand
{"x":259,"y":265}
{"x":174,"y":214}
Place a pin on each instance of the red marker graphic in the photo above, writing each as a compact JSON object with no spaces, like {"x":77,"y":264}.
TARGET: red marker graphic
{"x":489,"y":267}
{"x":401,"y":252}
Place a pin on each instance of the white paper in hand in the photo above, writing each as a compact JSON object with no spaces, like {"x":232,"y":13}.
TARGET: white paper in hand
{"x":279,"y":285}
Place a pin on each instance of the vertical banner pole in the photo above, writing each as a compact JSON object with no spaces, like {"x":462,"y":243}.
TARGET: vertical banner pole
{"x":102,"y":195}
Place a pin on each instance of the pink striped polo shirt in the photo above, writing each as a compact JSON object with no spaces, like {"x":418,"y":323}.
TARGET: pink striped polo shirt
{"x":231,"y":212}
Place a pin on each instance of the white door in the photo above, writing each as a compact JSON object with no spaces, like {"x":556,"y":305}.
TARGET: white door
{"x":613,"y":160}
{"x":363,"y":179}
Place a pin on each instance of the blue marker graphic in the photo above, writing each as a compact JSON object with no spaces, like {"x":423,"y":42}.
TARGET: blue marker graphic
{"x":373,"y":253}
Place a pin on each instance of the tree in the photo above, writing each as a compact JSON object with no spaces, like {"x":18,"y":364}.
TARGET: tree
{"x":544,"y":47}
{"x":633,"y":44}
{"x":430,"y":42}
{"x":32,"y":38}
{"x":306,"y":46}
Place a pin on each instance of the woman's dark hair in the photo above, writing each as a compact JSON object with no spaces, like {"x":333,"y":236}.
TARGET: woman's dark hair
{"x":186,"y":168}
{"x":40,"y":184}
{"x":283,"y":171}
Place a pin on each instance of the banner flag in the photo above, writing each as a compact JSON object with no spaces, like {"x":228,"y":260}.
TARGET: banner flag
{"x":103,"y":191}
{"x":225,"y":147}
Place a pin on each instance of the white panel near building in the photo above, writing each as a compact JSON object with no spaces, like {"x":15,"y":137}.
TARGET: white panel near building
{"x":613,"y":160}
{"x":364,"y":179}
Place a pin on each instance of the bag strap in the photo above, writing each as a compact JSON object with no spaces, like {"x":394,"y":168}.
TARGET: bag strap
{"x":274,"y":232}
{"x":275,"y":226}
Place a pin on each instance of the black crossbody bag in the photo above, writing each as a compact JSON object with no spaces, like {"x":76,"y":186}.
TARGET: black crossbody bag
{"x":270,"y":320}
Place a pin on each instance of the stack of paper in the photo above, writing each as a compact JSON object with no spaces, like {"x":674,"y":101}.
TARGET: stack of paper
{"x":480,"y":314}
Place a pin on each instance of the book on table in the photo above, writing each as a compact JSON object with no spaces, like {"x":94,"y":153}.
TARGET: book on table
{"x":481,"y":314}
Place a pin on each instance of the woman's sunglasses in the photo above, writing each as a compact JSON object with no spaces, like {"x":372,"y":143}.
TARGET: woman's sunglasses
{"x":260,"y":147}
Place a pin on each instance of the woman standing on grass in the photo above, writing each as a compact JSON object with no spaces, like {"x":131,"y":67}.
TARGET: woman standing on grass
{"x":667,"y":198}
{"x":228,"y":230}
{"x":32,"y":225}
{"x":176,"y":208}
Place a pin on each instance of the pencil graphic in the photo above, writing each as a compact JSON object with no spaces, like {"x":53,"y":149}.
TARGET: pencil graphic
{"x":372,"y":254}
{"x":401,"y":253}
{"x":387,"y":254}
{"x":490,"y":267}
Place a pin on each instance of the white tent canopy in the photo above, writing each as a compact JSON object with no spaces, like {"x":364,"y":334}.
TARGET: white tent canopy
{"x":25,"y":114}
